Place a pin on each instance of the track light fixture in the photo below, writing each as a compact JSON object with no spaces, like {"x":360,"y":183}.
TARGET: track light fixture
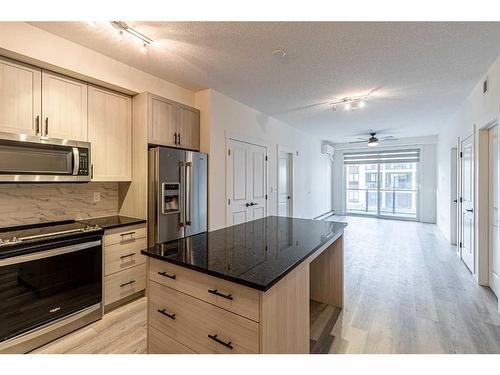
{"x":349,"y":103}
{"x":123,"y":27}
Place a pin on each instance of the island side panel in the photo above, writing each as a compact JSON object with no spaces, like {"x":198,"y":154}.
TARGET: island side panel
{"x":327,"y":275}
{"x":284,"y":324}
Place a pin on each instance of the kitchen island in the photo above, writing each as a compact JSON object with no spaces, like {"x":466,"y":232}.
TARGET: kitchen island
{"x":244,"y":288}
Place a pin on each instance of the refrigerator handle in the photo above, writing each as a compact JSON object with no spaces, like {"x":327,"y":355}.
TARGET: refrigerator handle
{"x":187,"y":206}
{"x":183,"y":194}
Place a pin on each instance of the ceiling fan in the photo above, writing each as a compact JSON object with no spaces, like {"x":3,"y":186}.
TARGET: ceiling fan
{"x":373,"y":141}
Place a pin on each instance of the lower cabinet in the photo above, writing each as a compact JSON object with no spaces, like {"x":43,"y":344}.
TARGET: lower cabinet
{"x":124,"y":265}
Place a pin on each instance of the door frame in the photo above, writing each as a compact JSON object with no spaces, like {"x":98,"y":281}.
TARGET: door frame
{"x":234,"y":136}
{"x":290,"y":150}
{"x":482,"y":227}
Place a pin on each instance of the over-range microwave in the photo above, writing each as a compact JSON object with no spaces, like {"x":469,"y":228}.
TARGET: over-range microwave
{"x":26,"y":158}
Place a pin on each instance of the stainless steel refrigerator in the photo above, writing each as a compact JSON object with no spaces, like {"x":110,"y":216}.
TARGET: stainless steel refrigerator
{"x":177,"y":196}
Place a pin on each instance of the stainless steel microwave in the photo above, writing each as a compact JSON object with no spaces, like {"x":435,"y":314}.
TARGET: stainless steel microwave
{"x":25,"y":158}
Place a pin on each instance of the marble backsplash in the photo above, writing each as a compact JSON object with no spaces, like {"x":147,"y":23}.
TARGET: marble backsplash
{"x":35,"y":203}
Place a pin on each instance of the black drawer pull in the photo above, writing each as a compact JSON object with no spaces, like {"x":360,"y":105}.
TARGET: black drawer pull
{"x":167,"y":275}
{"x":228,"y":296}
{"x":129,"y":283}
{"x":216,"y":339}
{"x":164,"y":312}
{"x":128,"y":255}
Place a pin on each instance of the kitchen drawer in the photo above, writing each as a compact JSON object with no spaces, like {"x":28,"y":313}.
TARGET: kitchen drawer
{"x":243,"y":301}
{"x":124,"y":283}
{"x":123,"y":255}
{"x":124,"y":235}
{"x":160,"y":343}
{"x":194,"y":321}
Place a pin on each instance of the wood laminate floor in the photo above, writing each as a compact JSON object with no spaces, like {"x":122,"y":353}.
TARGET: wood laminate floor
{"x":406,"y":291}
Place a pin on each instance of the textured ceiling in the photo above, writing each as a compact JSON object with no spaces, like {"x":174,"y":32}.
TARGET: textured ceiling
{"x":418,"y":73}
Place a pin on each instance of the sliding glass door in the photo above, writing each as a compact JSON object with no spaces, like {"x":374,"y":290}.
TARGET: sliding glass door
{"x":383,"y":183}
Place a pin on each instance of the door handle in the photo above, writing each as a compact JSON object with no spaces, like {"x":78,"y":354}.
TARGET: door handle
{"x":175,"y":138}
{"x":182,"y":205}
{"x":164,"y":312}
{"x":37,"y":122}
{"x":187,"y":179}
{"x":253,"y":204}
{"x":288,"y":197}
{"x":470,"y":210}
{"x":247,"y":204}
{"x":46,"y":126}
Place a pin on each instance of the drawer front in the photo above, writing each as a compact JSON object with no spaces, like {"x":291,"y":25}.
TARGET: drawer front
{"x":120,"y":256}
{"x":160,"y":343}
{"x":203,"y":327}
{"x":230,"y":296}
{"x":124,"y":235}
{"x":124,"y":283}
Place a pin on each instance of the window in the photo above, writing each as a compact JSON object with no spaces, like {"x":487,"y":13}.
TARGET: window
{"x":353,"y":196}
{"x":382,"y":183}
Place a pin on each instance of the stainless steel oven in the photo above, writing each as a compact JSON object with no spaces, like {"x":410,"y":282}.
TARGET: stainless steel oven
{"x":49,"y":287}
{"x":25,"y":158}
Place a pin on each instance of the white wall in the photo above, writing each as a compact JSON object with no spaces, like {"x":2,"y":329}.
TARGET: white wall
{"x":428,"y":174}
{"x":477,"y":112}
{"x":227,"y":117}
{"x":30,"y":44}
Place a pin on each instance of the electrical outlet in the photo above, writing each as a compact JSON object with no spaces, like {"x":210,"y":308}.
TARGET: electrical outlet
{"x":97,"y":196}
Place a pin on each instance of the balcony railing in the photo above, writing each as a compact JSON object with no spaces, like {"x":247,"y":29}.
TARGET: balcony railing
{"x":383,"y":202}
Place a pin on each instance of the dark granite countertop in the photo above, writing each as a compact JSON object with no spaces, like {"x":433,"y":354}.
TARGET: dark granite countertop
{"x":109,"y":222}
{"x":256,"y":254}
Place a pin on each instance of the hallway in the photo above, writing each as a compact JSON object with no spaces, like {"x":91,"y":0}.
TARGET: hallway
{"x":406,"y":291}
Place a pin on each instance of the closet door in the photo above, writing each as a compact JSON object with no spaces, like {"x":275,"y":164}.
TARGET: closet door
{"x":64,"y":107}
{"x":20,"y":97}
{"x":246,"y":170}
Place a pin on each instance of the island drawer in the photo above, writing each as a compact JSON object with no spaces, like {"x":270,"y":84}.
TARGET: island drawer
{"x":160,"y":343}
{"x":230,"y":296}
{"x":124,"y":235}
{"x":125,"y":283}
{"x":203,"y":327}
{"x":120,"y":256}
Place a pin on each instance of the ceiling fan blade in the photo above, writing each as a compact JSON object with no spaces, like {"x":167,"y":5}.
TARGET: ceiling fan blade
{"x":362,"y":139}
{"x":359,"y":142}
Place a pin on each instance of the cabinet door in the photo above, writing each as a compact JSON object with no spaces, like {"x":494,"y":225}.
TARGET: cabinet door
{"x":110,"y":133}
{"x":189,"y":127}
{"x":64,"y":107}
{"x":162,"y":121}
{"x":20,"y":97}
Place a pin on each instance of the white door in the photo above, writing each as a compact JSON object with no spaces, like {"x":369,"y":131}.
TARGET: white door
{"x":454,"y":198}
{"x":245,"y":182}
{"x":467,"y":204}
{"x":285,"y":183}
{"x":494,"y":249}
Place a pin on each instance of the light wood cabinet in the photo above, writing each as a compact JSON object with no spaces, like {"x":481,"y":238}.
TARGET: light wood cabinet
{"x":162,"y":121}
{"x":110,"y":132}
{"x":20,"y":97}
{"x":189,"y":127}
{"x":173,"y":124}
{"x":64,"y":107}
{"x":124,"y":265}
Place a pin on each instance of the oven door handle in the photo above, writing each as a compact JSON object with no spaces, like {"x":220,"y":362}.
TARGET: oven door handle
{"x":48,"y":253}
{"x":76,"y":161}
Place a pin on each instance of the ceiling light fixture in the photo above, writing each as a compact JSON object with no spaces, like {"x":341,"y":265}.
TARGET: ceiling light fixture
{"x":122,"y":26}
{"x":350,"y":103}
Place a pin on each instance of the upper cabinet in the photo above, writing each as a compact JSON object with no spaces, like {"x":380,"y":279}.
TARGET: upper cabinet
{"x":20,"y":98}
{"x":162,"y":121}
{"x":64,"y":107}
{"x":172,"y":124}
{"x":189,"y":127}
{"x":109,"y":131}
